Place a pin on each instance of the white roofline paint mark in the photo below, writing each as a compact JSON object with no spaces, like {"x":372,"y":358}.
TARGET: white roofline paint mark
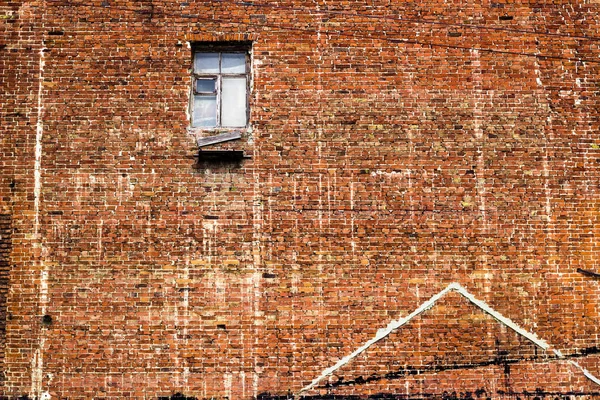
{"x":382,"y":333}
{"x":585,"y":372}
{"x":500,"y":318}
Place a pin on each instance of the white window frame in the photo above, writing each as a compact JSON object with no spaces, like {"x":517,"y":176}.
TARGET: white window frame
{"x":220,"y":49}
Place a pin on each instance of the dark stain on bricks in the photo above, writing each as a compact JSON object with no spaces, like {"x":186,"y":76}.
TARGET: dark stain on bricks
{"x":47,"y":320}
{"x":177,"y":396}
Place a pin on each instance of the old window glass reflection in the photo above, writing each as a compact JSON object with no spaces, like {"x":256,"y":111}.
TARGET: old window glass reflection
{"x":206,"y":85}
{"x":220,"y":88}
{"x":233,"y":102}
{"x":205,"y":108}
{"x":207,"y":63}
{"x":233,"y":63}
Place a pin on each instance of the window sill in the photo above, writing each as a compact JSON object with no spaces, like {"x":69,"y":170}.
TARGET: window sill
{"x":215,"y":145}
{"x":206,"y":137}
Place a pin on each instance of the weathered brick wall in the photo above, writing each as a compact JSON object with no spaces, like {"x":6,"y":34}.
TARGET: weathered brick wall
{"x":5,"y":244}
{"x":396,"y":148}
{"x":17,"y":95}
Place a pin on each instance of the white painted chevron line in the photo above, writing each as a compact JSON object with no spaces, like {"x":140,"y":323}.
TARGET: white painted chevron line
{"x":382,"y":333}
{"x":585,"y":372}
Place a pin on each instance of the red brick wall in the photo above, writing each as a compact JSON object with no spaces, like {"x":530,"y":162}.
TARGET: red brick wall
{"x":5,"y":244}
{"x":17,"y":67}
{"x":390,"y":157}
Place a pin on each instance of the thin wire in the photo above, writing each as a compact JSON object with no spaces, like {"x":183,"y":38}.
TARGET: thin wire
{"x":339,"y":33}
{"x":413,"y":20}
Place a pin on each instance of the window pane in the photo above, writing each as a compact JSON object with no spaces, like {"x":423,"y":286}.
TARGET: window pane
{"x":207,"y":63}
{"x":234,"y":63}
{"x":206,"y":85}
{"x":233,"y":102}
{"x":205,"y":111}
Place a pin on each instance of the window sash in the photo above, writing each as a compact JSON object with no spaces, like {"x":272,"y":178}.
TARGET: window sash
{"x":239,"y":119}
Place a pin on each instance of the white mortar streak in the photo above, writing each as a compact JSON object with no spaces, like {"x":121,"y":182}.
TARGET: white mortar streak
{"x":257,"y":232}
{"x":477,"y":117}
{"x":256,"y":308}
{"x":184,"y":319}
{"x":547,"y":138}
{"x":39,"y":133}
{"x":100,"y":227}
{"x":37,"y":370}
{"x":352,"y":240}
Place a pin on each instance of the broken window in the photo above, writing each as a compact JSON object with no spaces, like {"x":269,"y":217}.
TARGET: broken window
{"x":220,"y":86}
